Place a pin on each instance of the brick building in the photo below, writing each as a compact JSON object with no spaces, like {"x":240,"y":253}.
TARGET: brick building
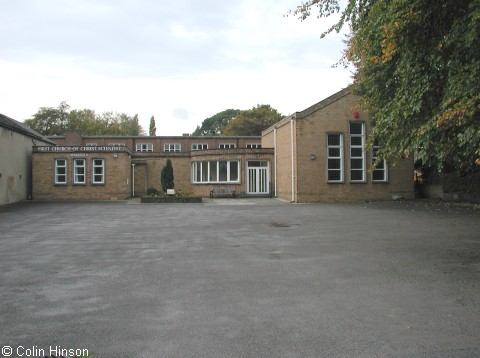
{"x":116,"y":168}
{"x":320,"y":156}
{"x":316,"y":155}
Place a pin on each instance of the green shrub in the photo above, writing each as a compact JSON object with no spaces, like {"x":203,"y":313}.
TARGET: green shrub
{"x":454,"y":182}
{"x":151,"y":191}
{"x":182,"y":194}
{"x":167,"y":176}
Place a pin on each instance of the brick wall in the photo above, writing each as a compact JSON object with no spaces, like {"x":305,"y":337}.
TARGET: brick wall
{"x":334,"y":117}
{"x":283,"y":142}
{"x":117,"y":184}
{"x":140,"y":179}
{"x":74,"y":138}
{"x":242,"y":155}
{"x":181,"y":171}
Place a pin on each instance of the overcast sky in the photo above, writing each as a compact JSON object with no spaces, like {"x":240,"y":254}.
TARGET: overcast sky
{"x":181,"y":61}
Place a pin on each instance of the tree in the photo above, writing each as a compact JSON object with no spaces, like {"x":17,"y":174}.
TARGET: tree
{"x":166,"y":176}
{"x":50,"y":121}
{"x":56,"y":121}
{"x":213,"y":126}
{"x":417,"y":72}
{"x":252,"y":122}
{"x":86,"y":121}
{"x":152,"y":131}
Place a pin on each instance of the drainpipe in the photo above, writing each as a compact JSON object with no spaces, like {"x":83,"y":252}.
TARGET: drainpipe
{"x":275,"y":158}
{"x":133,"y":180}
{"x":292,"y":118}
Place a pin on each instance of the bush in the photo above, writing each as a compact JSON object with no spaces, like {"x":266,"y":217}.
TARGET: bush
{"x":183,"y":194}
{"x":454,"y":182}
{"x":166,"y":176}
{"x":151,"y":191}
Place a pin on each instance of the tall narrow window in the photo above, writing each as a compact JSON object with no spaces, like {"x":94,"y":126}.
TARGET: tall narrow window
{"x":357,"y":152}
{"x":334,"y":158}
{"x":213,"y":171}
{"x":98,"y":171}
{"x":60,"y":171}
{"x":222,"y":170}
{"x":204,"y":171}
{"x":233,"y":171}
{"x":379,"y":175}
{"x":79,"y":171}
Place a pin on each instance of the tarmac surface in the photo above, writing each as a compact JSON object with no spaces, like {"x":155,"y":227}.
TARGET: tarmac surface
{"x":240,"y":278}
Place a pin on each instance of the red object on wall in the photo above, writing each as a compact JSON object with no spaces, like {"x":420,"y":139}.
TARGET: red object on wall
{"x":355,"y":114}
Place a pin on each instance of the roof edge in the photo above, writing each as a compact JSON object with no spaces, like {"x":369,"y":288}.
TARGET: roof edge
{"x":21,"y":128}
{"x":325,"y":102}
{"x":298,"y":115}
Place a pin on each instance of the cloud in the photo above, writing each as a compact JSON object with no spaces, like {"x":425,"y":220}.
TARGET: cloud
{"x":185,"y":59}
{"x":181,"y":113}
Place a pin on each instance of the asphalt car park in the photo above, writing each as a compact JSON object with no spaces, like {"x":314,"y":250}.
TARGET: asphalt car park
{"x":240,"y":279}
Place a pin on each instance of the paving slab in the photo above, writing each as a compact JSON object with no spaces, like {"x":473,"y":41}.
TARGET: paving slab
{"x":221,"y":280}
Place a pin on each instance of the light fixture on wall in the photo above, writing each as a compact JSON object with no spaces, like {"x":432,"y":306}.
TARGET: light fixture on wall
{"x":356,"y":114}
{"x":313,"y":157}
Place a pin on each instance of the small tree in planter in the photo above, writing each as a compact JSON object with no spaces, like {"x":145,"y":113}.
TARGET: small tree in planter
{"x":167,"y":176}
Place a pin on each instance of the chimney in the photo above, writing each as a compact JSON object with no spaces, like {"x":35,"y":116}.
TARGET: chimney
{"x":73,"y":138}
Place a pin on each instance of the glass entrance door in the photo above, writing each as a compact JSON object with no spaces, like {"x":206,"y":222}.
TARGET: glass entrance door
{"x":258,"y":177}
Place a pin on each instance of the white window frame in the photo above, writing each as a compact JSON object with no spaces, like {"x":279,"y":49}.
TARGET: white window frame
{"x":253,"y":146}
{"x":57,"y":174}
{"x":338,"y":157}
{"x":383,"y":170}
{"x":199,"y":167}
{"x":77,"y":165}
{"x":144,"y":147}
{"x":199,"y":146}
{"x":361,"y":146}
{"x":226,"y":146}
{"x":172,"y":147}
{"x":98,"y":163}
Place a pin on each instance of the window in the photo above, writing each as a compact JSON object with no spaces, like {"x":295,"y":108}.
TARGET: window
{"x":60,"y":171}
{"x":334,"y":158}
{"x":216,"y":171}
{"x":98,"y":171}
{"x":254,"y":146}
{"x":357,"y":152}
{"x":226,"y":146}
{"x":90,"y":144}
{"x":199,"y":146}
{"x":116,"y":144}
{"x":79,"y":171}
{"x":175,"y":147}
{"x":145,"y":147}
{"x":379,"y":175}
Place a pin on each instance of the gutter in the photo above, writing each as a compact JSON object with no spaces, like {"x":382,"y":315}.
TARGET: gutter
{"x":292,"y":119}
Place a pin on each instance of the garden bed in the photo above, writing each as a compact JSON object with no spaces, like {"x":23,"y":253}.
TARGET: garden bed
{"x":170,"y":199}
